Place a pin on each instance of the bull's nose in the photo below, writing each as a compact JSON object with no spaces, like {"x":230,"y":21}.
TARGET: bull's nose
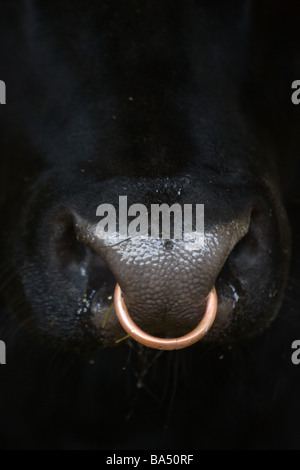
{"x":166,"y":284}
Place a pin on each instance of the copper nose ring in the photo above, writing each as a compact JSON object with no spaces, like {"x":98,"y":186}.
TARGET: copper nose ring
{"x":166,"y":343}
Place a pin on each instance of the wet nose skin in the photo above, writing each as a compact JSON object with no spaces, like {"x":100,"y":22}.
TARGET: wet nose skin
{"x":165,"y":283}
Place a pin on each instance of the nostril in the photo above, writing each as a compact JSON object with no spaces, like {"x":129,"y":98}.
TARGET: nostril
{"x":249,"y":258}
{"x":79,"y":261}
{"x":66,"y":246}
{"x":255,"y":245}
{"x":100,"y":275}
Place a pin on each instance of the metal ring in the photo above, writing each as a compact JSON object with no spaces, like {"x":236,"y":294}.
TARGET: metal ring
{"x":166,"y":343}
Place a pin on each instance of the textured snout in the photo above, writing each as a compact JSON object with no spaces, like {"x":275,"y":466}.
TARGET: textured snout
{"x":166,"y":283}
